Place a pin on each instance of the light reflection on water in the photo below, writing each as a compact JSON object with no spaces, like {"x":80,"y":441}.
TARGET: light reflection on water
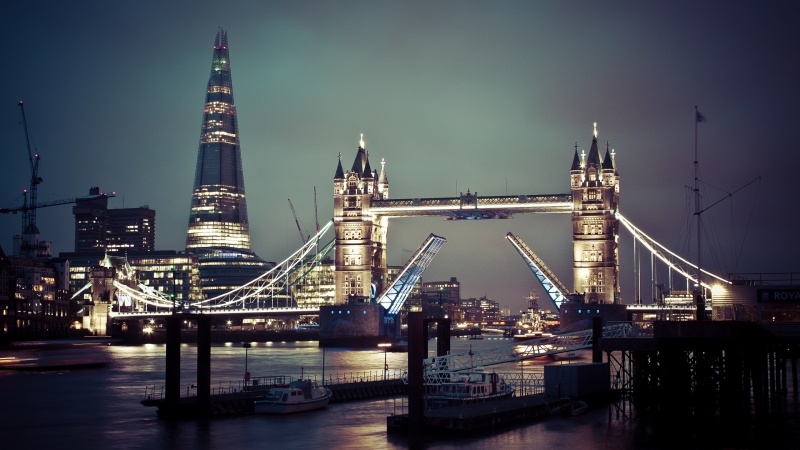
{"x":99,"y":408}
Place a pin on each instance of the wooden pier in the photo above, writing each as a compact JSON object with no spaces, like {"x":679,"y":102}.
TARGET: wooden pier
{"x":241,"y":401}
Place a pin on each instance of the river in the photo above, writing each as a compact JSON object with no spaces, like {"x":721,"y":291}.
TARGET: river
{"x":99,"y":408}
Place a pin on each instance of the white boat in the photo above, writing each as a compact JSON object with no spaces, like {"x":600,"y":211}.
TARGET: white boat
{"x":297,"y":396}
{"x":470,"y":387}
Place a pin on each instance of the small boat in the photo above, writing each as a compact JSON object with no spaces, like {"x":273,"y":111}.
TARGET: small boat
{"x":471,"y":387}
{"x":297,"y":396}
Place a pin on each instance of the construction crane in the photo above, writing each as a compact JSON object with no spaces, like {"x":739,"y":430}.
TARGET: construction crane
{"x":297,"y":221}
{"x":30,"y":245}
{"x":29,"y":206}
{"x":316,"y":217}
{"x":26,"y":208}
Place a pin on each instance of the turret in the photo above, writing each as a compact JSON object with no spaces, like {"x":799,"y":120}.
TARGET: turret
{"x":595,"y":194}
{"x":382,"y":192}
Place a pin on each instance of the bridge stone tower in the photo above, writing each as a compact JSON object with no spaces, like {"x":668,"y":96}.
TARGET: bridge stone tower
{"x":360,"y":255}
{"x":595,"y":227}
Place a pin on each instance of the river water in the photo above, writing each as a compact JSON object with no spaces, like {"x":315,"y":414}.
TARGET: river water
{"x":99,"y":408}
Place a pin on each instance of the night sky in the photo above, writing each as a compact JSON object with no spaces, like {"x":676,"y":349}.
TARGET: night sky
{"x":486,"y":96}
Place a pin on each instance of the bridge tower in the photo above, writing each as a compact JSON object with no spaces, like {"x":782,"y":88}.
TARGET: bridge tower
{"x":360,"y":250}
{"x":595,"y":229}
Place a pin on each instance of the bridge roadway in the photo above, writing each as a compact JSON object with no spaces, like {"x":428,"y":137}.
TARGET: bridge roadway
{"x":285,"y":311}
{"x":471,"y":206}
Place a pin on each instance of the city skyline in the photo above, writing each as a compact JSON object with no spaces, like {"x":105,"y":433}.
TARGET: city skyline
{"x":453,"y":95}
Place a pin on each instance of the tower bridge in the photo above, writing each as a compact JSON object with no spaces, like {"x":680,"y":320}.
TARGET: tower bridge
{"x":362,"y":209}
{"x":231,"y":276}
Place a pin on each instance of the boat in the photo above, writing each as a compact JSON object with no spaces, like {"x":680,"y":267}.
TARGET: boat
{"x":469,"y":387}
{"x":297,"y":396}
{"x":531,"y":325}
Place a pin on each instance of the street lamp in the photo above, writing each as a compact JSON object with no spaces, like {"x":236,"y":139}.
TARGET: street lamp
{"x":245,"y":346}
{"x":385,"y":346}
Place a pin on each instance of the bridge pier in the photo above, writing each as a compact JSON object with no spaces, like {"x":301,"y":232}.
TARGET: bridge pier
{"x":203,"y":364}
{"x":442,"y":336}
{"x":417,"y":343}
{"x":172,"y":383}
{"x":597,"y":333}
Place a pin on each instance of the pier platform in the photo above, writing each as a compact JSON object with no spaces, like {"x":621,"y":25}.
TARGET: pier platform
{"x":241,"y":402}
{"x":478,"y":417}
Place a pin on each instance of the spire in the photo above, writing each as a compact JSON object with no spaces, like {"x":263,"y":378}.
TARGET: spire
{"x":382,"y":178}
{"x":594,"y":153}
{"x":367,"y":169}
{"x":608,"y":162}
{"x":339,"y":170}
{"x":576,"y":160}
{"x":361,"y":158}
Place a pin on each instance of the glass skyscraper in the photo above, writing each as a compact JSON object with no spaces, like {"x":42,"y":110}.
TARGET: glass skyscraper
{"x":218,"y":231}
{"x":218,"y":218}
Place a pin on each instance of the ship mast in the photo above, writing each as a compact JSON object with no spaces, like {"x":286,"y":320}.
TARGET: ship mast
{"x":699,"y":294}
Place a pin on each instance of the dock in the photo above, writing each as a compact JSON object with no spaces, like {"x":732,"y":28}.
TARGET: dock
{"x":241,"y":401}
{"x":483,"y":416}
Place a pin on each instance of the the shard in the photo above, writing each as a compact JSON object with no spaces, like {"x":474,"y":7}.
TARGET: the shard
{"x":218,"y":229}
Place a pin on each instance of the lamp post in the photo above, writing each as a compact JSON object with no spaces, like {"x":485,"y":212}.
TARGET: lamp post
{"x":245,"y":346}
{"x":385,"y":346}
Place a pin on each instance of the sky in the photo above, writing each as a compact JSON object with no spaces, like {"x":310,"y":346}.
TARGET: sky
{"x":453,"y":95}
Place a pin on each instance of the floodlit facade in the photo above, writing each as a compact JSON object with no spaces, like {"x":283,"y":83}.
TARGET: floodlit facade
{"x":360,"y":252}
{"x":218,"y":231}
{"x":595,"y":228}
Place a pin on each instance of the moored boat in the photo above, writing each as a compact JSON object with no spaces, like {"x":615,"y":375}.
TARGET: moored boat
{"x":470,"y":387}
{"x":297,"y":396}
